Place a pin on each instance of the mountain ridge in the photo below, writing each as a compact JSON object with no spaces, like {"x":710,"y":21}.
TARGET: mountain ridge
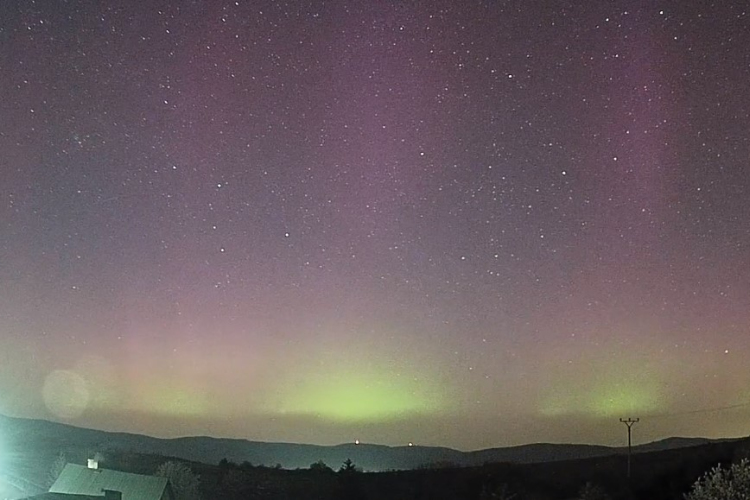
{"x":51,"y":437}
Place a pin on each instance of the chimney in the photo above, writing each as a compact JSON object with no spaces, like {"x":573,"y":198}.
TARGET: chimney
{"x":112,"y":495}
{"x":93,"y":463}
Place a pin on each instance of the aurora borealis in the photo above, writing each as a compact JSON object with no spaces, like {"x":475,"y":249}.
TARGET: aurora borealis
{"x":461,"y":224}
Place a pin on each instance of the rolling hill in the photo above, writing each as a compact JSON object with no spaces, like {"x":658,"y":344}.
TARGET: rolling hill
{"x":49,"y":438}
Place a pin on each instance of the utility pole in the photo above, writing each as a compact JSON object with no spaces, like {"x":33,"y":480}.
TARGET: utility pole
{"x":629,"y":422}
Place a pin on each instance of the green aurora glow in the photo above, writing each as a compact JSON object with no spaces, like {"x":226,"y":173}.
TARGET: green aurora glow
{"x":607,"y":397}
{"x":352,"y":395}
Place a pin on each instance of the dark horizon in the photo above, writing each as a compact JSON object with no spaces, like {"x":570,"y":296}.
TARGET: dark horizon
{"x":71,"y":441}
{"x":618,"y":439}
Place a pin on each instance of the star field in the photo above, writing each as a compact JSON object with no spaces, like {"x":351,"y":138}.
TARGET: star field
{"x":445,"y":224}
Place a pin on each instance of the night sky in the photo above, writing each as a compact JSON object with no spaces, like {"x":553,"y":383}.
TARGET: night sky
{"x":469,"y":224}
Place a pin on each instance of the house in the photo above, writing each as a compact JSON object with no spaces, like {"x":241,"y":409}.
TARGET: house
{"x":61,"y":496}
{"x":77,"y":482}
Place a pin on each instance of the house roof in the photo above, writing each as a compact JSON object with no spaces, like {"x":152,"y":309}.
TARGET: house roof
{"x":79,"y":480}
{"x":62,"y":496}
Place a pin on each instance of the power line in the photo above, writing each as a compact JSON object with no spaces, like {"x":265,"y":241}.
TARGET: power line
{"x":703,"y":410}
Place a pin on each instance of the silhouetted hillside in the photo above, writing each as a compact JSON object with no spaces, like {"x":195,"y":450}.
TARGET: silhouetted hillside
{"x":31,"y":445}
{"x":49,"y":437}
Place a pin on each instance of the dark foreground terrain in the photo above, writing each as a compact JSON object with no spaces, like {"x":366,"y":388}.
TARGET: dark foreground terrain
{"x":28,"y":463}
{"x":659,"y":475}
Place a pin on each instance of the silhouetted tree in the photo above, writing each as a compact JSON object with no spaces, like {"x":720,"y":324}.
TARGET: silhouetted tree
{"x":320,"y":466}
{"x":58,"y":464}
{"x":723,"y":484}
{"x":348,"y":467}
{"x":185,"y":484}
{"x":350,"y":487}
